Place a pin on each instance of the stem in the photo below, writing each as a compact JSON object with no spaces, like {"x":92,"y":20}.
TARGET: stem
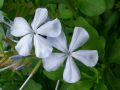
{"x":31,"y":74}
{"x":2,"y":69}
{"x":7,"y":23}
{"x":57,"y":85}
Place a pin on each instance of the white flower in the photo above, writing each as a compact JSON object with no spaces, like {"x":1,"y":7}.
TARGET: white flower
{"x":87,"y":57}
{"x":34,"y":33}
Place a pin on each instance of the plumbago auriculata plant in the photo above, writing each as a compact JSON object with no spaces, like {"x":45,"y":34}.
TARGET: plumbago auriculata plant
{"x":45,"y":35}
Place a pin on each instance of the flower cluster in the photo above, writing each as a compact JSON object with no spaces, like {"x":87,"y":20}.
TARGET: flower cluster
{"x":44,"y":35}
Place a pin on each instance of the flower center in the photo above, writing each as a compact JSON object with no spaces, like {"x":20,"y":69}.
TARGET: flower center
{"x":34,"y":32}
{"x":68,"y":53}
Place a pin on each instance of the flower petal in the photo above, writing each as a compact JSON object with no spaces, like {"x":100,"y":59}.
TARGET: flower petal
{"x":59,"y":42}
{"x":53,"y":62}
{"x":41,"y":15}
{"x":71,"y":73}
{"x":24,"y":46}
{"x":42,"y":48}
{"x":50,"y":29}
{"x":87,"y":57}
{"x":20,"y":27}
{"x":80,"y":37}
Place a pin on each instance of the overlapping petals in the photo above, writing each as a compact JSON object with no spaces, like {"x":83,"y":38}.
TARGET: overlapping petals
{"x":50,"y":29}
{"x":54,"y":61}
{"x":87,"y":57}
{"x":33,"y":36}
{"x":42,"y":47}
{"x":40,"y":17}
{"x":59,"y":42}
{"x":24,"y":46}
{"x":20,"y":27}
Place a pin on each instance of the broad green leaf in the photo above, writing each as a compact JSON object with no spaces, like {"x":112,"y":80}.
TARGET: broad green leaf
{"x":112,"y":20}
{"x":30,"y":63}
{"x":95,"y":41}
{"x":65,"y":13}
{"x":114,"y":56}
{"x":101,"y":86}
{"x":9,"y":86}
{"x":92,"y":7}
{"x":109,"y":4}
{"x":81,"y":85}
{"x":1,"y":36}
{"x":52,"y":9}
{"x":1,"y":16}
{"x":112,"y":81}
{"x":32,"y":85}
{"x":55,"y":75}
{"x":1,"y":3}
{"x":2,"y":32}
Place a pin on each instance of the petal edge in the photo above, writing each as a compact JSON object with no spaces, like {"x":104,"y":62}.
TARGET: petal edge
{"x":79,"y":38}
{"x":71,"y":73}
{"x":87,"y":57}
{"x":50,"y":29}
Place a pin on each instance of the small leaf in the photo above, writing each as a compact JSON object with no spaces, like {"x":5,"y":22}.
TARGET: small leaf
{"x":92,"y":7}
{"x":1,"y":3}
{"x":32,"y":85}
{"x":109,"y":4}
{"x":95,"y":41}
{"x":81,"y":85}
{"x":65,"y":13}
{"x":55,"y":75}
{"x":101,"y":86}
{"x":112,"y":20}
{"x":1,"y":44}
{"x":114,"y":56}
{"x":112,"y":81}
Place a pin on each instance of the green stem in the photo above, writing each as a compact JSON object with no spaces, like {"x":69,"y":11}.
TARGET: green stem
{"x":31,"y":74}
{"x":57,"y":85}
{"x":2,"y":69}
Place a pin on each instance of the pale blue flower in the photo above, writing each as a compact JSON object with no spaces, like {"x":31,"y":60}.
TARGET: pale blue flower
{"x":33,"y":35}
{"x":87,"y":57}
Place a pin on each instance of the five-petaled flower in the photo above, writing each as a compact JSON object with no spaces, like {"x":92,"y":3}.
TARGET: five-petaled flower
{"x":39,"y":27}
{"x":87,"y":57}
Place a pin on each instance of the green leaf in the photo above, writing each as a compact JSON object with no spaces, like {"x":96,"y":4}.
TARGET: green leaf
{"x":95,"y":41}
{"x":112,"y":81}
{"x":114,"y":56}
{"x":81,"y":85}
{"x":52,"y":9}
{"x":109,"y":4}
{"x":1,"y":3}
{"x":112,"y":20}
{"x":9,"y":86}
{"x":1,"y":16}
{"x":1,"y":36}
{"x":54,"y":75}
{"x":92,"y":7}
{"x":2,"y":32}
{"x":28,"y":65}
{"x":65,"y":13}
{"x":101,"y":86}
{"x":32,"y":85}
